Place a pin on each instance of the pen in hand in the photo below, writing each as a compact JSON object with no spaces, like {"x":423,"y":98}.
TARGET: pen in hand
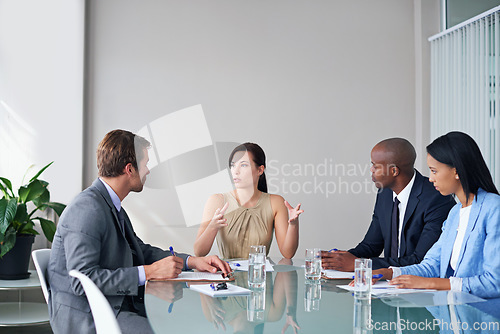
{"x":374,"y":276}
{"x":171,"y":306}
{"x":171,"y":250}
{"x":333,"y":249}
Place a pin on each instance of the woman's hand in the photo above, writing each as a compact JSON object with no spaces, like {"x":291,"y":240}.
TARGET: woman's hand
{"x":293,"y":213}
{"x":218,"y":221}
{"x":417,"y":282}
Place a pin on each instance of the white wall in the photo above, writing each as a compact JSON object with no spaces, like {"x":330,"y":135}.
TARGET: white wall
{"x":310,"y":81}
{"x":41,"y":86}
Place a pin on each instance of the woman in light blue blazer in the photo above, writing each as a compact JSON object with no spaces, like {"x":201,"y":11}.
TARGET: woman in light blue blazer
{"x":467,"y":255}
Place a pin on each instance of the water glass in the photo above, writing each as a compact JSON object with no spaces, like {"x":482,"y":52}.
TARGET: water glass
{"x":362,"y":316}
{"x":362,"y":278}
{"x":257,"y":267}
{"x":313,"y":263}
{"x":256,"y":305}
{"x":312,"y":295}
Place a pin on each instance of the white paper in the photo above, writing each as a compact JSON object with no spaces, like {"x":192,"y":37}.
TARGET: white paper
{"x":198,"y":276}
{"x":232,"y":290}
{"x":242,"y":265}
{"x":384,"y":288}
{"x":338,"y":274}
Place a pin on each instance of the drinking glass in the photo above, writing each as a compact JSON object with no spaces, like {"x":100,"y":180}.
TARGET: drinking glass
{"x":313,"y":264}
{"x":362,"y":278}
{"x":257,"y":267}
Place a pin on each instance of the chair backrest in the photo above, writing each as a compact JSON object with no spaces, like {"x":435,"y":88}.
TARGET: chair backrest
{"x":104,"y":317}
{"x":41,"y":260}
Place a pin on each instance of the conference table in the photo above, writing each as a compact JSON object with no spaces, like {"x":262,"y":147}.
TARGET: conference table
{"x":291,"y":304}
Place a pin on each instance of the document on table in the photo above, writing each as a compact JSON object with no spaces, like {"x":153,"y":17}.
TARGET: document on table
{"x":335,"y":274}
{"x":197,"y":276}
{"x":242,"y":265}
{"x":384,"y":288}
{"x":232,"y":290}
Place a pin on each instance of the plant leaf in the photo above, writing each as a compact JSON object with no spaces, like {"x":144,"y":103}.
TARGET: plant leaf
{"x":57,"y":207}
{"x":4,"y":190}
{"x":6,"y":184}
{"x":8,"y":210}
{"x":21,"y":213}
{"x":26,"y":227}
{"x":42,"y":199}
{"x":8,"y":241}
{"x":33,"y":190}
{"x":48,"y":228}
{"x":40,"y":172}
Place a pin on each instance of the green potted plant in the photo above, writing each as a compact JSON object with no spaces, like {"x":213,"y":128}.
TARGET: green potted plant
{"x":17,"y":219}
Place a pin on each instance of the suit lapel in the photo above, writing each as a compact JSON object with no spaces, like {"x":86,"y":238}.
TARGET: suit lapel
{"x":104,"y":193}
{"x":447,"y":248}
{"x":413,"y":200}
{"x":132,"y":240}
{"x":474,"y":214}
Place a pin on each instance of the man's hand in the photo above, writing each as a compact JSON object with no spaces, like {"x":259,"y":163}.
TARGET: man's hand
{"x":170,"y":291}
{"x":210,"y":263}
{"x":337,"y":260}
{"x":168,"y":267}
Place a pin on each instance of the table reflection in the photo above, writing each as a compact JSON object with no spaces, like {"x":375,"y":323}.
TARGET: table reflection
{"x":322,"y":307}
{"x":248,"y":314}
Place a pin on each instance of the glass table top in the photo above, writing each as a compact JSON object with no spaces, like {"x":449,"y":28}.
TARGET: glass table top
{"x":291,"y":304}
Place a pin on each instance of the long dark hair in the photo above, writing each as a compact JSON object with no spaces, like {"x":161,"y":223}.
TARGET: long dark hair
{"x":259,"y":158}
{"x":458,"y":150}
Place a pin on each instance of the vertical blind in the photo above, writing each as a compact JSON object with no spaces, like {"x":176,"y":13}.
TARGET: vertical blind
{"x":465,"y":74}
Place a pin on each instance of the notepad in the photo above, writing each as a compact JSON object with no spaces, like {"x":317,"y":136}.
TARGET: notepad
{"x":384,"y":288}
{"x":232,"y":290}
{"x":196,"y":276}
{"x":335,"y":274}
{"x":242,"y":265}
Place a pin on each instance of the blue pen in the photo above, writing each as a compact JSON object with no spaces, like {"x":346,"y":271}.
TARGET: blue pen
{"x":234,"y":263}
{"x":171,"y":250}
{"x":171,"y":306}
{"x":374,"y":276}
{"x":333,"y":249}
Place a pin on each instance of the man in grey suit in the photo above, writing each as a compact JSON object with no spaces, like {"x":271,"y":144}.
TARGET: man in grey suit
{"x":96,"y":237}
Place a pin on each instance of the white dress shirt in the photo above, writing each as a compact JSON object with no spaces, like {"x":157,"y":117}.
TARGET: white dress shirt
{"x":403,"y":197}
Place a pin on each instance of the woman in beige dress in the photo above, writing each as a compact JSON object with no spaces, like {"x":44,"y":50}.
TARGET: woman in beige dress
{"x":248,"y":215}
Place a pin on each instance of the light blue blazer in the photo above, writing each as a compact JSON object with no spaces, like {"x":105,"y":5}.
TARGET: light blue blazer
{"x":479,"y":260}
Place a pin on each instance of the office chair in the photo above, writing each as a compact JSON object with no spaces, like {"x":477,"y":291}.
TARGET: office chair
{"x":41,"y":260}
{"x":104,"y":317}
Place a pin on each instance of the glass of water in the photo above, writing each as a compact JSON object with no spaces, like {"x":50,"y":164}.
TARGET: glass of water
{"x":362,"y":278}
{"x":313,"y":264}
{"x":256,"y":305}
{"x":257,"y":267}
{"x":312,"y":295}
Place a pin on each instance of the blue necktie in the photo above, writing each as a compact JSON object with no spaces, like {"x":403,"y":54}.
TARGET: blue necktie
{"x":395,"y":229}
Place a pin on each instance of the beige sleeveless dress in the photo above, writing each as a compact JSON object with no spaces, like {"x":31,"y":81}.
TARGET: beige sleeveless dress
{"x":246,"y":227}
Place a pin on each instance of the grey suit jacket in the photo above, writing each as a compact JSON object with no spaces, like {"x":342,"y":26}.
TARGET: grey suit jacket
{"x":89,"y":239}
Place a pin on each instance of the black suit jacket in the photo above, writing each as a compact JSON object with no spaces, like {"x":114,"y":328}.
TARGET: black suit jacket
{"x":426,"y":211}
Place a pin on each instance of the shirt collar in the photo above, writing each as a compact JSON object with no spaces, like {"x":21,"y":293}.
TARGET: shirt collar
{"x":404,"y":195}
{"x":114,"y":197}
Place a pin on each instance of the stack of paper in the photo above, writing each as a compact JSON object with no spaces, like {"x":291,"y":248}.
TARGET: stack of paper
{"x":242,"y":265}
{"x":200,"y":276}
{"x":384,"y":288}
{"x":232,"y":290}
{"x":335,"y":274}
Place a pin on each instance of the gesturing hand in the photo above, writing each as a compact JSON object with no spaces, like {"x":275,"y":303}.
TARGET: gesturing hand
{"x":218,"y":221}
{"x":293,"y":213}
